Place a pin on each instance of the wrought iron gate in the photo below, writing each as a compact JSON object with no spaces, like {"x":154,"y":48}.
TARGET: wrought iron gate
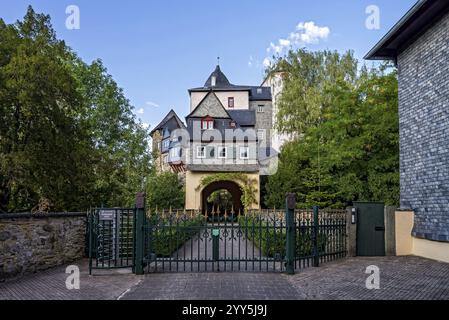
{"x":192,"y":242}
{"x":111,"y":238}
{"x":188,"y":241}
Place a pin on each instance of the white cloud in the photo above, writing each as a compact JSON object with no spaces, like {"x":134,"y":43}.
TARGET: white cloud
{"x":266,"y":62}
{"x":284,"y":42}
{"x":306,"y":33}
{"x":145,"y":125}
{"x":141,"y":111}
{"x":311,"y":33}
{"x":151,"y":104}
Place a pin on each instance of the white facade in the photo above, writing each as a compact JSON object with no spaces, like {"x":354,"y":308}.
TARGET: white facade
{"x":275,"y":82}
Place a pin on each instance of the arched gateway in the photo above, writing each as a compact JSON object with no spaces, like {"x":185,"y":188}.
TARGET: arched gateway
{"x":232,"y":187}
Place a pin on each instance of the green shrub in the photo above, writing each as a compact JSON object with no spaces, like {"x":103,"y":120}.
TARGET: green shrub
{"x":170,"y":236}
{"x":272,"y":241}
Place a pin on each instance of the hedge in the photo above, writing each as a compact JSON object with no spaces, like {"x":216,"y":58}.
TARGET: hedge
{"x":168,"y":239}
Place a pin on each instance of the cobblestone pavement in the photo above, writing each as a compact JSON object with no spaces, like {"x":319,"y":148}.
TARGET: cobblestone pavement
{"x":213,"y":286}
{"x":400,"y":278}
{"x":50,"y":285}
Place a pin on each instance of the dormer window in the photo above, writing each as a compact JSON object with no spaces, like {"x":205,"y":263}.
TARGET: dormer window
{"x":231,"y":103}
{"x":214,"y":81}
{"x":207,"y":123}
{"x":259,"y":90}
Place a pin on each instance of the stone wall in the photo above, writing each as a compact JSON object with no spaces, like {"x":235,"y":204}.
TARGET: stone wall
{"x":30,"y":243}
{"x":424,"y":131}
{"x":264,"y":120}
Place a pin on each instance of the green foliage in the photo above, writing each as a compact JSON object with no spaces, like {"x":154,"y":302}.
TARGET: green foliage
{"x":165,"y":191}
{"x":272,"y":242}
{"x":346,"y":132}
{"x":221,"y":199}
{"x":67,"y":133}
{"x":247,"y":185}
{"x":165,"y":241}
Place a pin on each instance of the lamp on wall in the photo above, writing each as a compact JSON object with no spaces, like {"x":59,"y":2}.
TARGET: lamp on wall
{"x":353,"y":215}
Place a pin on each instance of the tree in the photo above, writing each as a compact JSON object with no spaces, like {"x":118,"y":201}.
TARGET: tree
{"x":345,"y":124}
{"x":67,"y":132}
{"x":43,"y":148}
{"x":165,"y":191}
{"x":121,"y":155}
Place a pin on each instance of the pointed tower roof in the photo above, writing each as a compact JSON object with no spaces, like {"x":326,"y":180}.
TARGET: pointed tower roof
{"x":220,"y":79}
{"x":171,"y":114}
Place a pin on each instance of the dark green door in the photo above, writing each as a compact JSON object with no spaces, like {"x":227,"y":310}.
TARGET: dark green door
{"x":370,"y":229}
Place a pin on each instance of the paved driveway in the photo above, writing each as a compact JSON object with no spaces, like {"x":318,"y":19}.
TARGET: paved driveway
{"x":400,"y":278}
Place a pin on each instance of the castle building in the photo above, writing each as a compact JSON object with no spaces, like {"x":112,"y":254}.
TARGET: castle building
{"x":226,"y":142}
{"x":168,"y":155}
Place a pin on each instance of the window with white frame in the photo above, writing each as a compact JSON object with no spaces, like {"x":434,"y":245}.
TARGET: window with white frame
{"x":165,"y":144}
{"x":260,"y":108}
{"x":261,"y":134}
{"x":201,"y":152}
{"x":222,"y":152}
{"x":175,"y":152}
{"x":207,"y":124}
{"x":244,"y":153}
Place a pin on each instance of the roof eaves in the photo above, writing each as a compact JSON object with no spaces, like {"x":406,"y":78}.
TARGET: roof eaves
{"x":426,"y":10}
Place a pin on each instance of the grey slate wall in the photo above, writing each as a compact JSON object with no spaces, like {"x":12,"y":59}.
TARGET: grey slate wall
{"x":424,"y":130}
{"x":264,"y":120}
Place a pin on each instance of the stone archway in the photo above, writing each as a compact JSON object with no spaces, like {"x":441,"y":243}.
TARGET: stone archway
{"x":232,"y":187}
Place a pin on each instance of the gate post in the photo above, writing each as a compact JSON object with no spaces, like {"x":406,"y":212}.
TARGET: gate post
{"x":139,"y":236}
{"x":351,"y":232}
{"x":90,"y":224}
{"x":316,"y":221}
{"x":291,"y":232}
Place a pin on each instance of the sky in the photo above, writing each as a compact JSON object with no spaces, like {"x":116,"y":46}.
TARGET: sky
{"x":157,"y":50}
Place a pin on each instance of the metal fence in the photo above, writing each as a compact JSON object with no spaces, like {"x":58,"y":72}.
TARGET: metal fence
{"x":181,"y":241}
{"x":111,"y":238}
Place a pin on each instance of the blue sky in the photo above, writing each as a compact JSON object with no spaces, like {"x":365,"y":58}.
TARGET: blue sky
{"x":156,"y":50}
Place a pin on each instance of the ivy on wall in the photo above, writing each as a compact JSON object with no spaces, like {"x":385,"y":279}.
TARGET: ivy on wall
{"x":246,"y":184}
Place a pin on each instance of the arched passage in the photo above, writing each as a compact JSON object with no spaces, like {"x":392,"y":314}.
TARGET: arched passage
{"x":232,"y":187}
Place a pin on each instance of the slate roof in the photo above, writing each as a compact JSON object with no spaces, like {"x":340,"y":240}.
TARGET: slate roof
{"x":204,"y":99}
{"x":221,"y":80}
{"x":171,"y":114}
{"x":243,"y":118}
{"x":414,"y":23}
{"x":256,"y":93}
{"x":260,"y":94}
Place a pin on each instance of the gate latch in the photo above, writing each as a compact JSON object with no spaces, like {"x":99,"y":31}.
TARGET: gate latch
{"x":215,"y":244}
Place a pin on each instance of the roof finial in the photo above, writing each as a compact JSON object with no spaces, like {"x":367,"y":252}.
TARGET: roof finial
{"x":218,"y":61}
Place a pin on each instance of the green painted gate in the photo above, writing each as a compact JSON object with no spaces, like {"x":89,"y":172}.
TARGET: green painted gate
{"x":370,"y":229}
{"x":190,"y":241}
{"x":111,"y":238}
